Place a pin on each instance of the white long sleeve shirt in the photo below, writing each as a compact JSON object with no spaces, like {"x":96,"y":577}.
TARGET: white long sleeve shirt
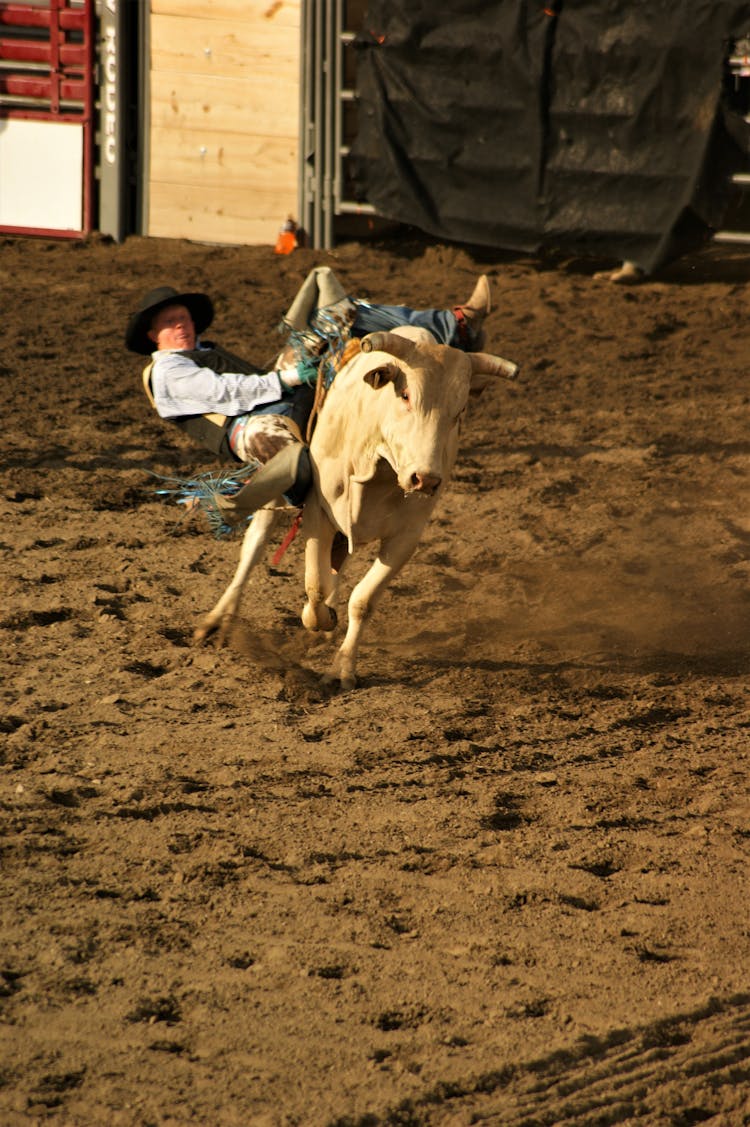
{"x":182,"y":387}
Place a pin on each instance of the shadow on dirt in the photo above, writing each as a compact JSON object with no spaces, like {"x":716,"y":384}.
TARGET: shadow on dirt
{"x":685,"y":1068}
{"x":283,"y":654}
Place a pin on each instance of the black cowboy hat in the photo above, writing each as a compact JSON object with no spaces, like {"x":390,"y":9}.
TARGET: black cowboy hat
{"x":136,"y":334}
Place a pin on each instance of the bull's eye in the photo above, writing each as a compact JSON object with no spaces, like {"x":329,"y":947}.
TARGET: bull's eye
{"x":406,"y":397}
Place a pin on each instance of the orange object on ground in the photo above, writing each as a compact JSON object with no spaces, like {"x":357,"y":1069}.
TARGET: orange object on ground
{"x":287,"y":240}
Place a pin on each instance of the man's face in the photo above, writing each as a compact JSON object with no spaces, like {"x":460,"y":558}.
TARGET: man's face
{"x":172,"y":327}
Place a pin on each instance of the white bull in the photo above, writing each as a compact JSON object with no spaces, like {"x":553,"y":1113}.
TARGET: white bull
{"x":382,"y":453}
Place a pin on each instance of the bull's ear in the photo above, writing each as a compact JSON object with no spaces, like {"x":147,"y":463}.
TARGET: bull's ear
{"x":379,"y":377}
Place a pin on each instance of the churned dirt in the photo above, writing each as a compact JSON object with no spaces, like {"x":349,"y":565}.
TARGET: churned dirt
{"x":505,"y":880}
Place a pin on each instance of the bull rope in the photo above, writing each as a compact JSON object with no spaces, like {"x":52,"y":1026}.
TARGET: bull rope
{"x":324,"y":381}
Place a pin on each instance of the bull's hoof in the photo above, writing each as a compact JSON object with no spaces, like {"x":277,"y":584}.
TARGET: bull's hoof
{"x":201,"y":634}
{"x":210,"y":630}
{"x":324,"y":619}
{"x":344,"y":684}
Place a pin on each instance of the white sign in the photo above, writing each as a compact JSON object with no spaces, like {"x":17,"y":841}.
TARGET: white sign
{"x":41,"y":174}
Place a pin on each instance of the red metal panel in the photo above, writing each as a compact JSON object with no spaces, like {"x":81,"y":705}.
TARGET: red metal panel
{"x":18,"y":15}
{"x":33,"y":51}
{"x":22,"y":15}
{"x":51,"y":77}
{"x":69,"y":65}
{"x":45,"y":87}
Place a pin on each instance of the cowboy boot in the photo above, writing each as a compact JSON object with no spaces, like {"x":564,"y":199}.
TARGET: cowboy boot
{"x":471,"y":314}
{"x":287,"y":473}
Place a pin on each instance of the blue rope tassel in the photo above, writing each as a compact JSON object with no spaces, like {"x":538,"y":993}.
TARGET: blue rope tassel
{"x":204,"y":490}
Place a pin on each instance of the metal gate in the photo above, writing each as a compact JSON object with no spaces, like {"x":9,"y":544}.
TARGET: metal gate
{"x":47,"y":117}
{"x":328,"y":112}
{"x":737,"y":67}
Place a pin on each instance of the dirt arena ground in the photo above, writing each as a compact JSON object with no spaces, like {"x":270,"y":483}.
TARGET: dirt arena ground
{"x":505,"y":881}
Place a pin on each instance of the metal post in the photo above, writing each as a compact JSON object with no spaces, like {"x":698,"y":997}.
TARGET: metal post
{"x":318,"y":122}
{"x":89,"y":118}
{"x":338,"y":109}
{"x":329,"y":112}
{"x":141,"y":175}
{"x":112,"y":114}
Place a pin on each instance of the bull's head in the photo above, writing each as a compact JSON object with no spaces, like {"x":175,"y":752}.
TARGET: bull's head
{"x":432,"y":384}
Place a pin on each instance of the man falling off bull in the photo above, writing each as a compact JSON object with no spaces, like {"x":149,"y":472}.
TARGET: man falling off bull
{"x":248,"y":415}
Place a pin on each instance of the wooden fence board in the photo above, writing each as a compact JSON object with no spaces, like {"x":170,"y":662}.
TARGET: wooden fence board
{"x":224,"y":118}
{"x":203,"y":104}
{"x":286,"y":12}
{"x":225,"y":160}
{"x":239,"y":216}
{"x":224,"y":48}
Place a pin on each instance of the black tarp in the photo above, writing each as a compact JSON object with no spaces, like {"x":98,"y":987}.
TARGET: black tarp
{"x":592,"y":126}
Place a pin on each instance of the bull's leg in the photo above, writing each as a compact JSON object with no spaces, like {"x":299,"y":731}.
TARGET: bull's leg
{"x":365,"y":597}
{"x":320,"y":579}
{"x":219,"y":620}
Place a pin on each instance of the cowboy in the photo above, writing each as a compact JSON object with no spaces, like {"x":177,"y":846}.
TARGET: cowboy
{"x":242,"y":413}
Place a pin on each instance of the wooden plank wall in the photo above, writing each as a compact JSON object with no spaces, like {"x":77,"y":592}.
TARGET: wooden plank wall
{"x":224,"y":106}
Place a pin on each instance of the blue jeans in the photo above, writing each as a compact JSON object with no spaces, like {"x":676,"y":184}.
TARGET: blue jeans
{"x":372,"y":318}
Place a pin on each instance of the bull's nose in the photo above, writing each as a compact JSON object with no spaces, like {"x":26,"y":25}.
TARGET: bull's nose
{"x":425,"y":482}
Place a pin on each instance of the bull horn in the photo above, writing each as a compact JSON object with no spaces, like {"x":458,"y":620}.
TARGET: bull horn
{"x":400,"y":347}
{"x":485,"y":365}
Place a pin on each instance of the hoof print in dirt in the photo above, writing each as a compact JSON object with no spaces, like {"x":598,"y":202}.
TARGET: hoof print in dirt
{"x":53,"y":1086}
{"x":63,"y":796}
{"x":26,"y":620}
{"x":151,"y":1010}
{"x":146,"y":669}
{"x":390,"y":1020}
